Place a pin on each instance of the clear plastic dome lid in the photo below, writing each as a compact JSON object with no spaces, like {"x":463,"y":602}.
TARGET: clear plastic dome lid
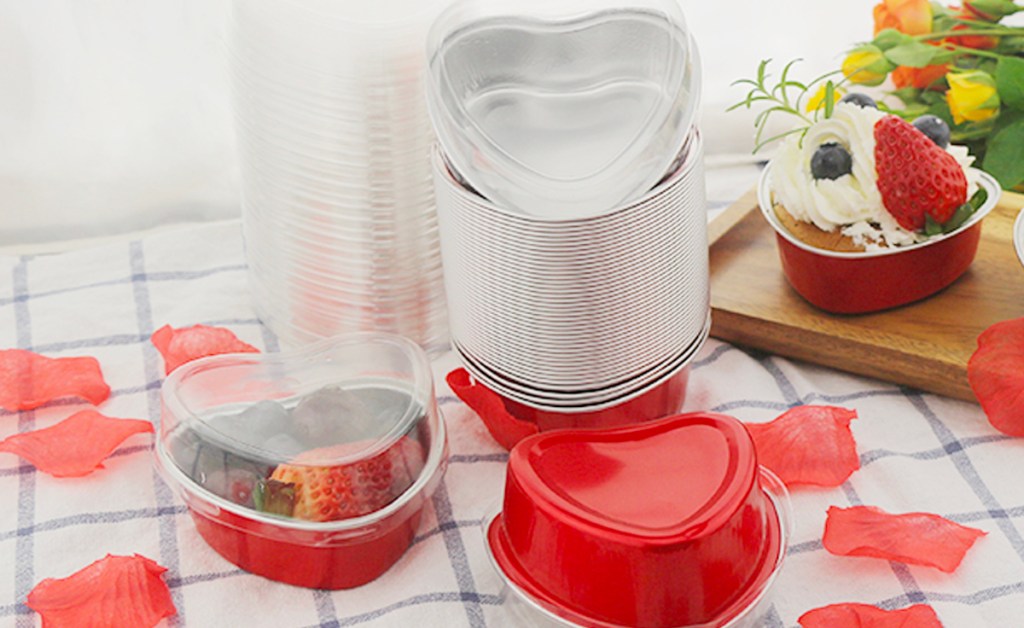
{"x":336,"y":431}
{"x":562,"y":109}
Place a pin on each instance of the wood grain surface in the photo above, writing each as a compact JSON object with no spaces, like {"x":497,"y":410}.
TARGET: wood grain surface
{"x":925,"y":345}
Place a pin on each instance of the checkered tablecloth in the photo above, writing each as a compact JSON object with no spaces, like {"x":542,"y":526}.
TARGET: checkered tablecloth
{"x":919,"y":452}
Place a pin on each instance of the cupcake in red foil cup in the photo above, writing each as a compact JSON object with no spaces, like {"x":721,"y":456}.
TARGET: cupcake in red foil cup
{"x":310,"y":467}
{"x":857,"y":282}
{"x":871,"y":211}
{"x":670,"y":523}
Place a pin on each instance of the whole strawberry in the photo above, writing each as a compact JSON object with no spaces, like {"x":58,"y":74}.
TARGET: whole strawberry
{"x":915,"y":177}
{"x":331,"y":493}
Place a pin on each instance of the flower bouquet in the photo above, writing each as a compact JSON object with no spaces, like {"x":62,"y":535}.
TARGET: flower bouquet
{"x":963,"y":64}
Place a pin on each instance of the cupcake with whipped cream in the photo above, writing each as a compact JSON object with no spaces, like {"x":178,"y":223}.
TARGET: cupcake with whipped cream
{"x":861,"y":180}
{"x":870,"y":211}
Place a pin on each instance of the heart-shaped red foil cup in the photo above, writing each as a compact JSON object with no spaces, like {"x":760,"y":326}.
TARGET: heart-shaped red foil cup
{"x":669,"y":523}
{"x":310,"y":467}
{"x":871,"y":281}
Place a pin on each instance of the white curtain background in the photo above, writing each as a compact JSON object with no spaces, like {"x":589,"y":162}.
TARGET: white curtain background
{"x":114,"y":114}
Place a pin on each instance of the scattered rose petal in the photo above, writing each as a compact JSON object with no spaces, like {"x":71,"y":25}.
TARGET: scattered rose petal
{"x":115,"y":591}
{"x":29,"y":380}
{"x":504,"y":428}
{"x":77,"y":445}
{"x":808,"y":445}
{"x":865,"y":615}
{"x":916,"y":538}
{"x":179,"y":346}
{"x":996,"y":374}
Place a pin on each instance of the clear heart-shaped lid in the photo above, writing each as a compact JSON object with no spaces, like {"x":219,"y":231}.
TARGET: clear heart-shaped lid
{"x":338,"y":430}
{"x":562,"y":109}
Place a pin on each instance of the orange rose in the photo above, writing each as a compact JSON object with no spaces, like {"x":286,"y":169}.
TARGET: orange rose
{"x":978,"y":42}
{"x":989,"y":10}
{"x":920,"y":78}
{"x":911,"y":17}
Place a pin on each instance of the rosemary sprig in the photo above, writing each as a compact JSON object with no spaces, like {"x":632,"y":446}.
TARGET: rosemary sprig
{"x":780,"y":99}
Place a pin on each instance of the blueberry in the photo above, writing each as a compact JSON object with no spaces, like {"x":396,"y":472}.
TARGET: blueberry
{"x":831,"y":161}
{"x":861,"y":100}
{"x":935,"y":128}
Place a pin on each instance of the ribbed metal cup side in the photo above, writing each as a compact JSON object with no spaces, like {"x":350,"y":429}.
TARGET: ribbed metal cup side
{"x":570,"y":313}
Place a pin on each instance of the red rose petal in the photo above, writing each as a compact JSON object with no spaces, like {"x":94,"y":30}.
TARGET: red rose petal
{"x":179,"y":346}
{"x":29,"y":380}
{"x":77,"y":445}
{"x":808,"y":445}
{"x":865,"y":615}
{"x":114,"y":591}
{"x":504,"y":428}
{"x":996,"y":374}
{"x":916,"y":538}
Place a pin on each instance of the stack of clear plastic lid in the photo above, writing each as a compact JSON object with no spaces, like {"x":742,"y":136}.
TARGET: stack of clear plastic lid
{"x":311,"y":467}
{"x":334,"y":138}
{"x":563,"y":109}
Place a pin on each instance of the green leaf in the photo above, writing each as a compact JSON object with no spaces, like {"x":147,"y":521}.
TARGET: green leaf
{"x":940,"y":12}
{"x":776,"y":96}
{"x":959,"y":217}
{"x":931,"y":97}
{"x":762,"y":143}
{"x":750,"y":99}
{"x":978,"y":199}
{"x":1010,"y":45}
{"x":891,"y":38}
{"x":1006,"y":118}
{"x":1004,"y":156}
{"x":274,"y":497}
{"x":760,"y":118}
{"x":931,"y":227}
{"x":998,"y":9}
{"x":257,"y":495}
{"x":1010,"y":81}
{"x":913,"y":55}
{"x":913,"y":112}
{"x":941,"y":110}
{"x":907,"y":95}
{"x":830,"y":92}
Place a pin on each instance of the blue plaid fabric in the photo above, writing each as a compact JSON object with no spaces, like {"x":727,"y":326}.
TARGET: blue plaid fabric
{"x":919,"y":452}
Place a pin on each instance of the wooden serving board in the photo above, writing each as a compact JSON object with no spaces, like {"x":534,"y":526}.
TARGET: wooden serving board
{"x":925,"y":345}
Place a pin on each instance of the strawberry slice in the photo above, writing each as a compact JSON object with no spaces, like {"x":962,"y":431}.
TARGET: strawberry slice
{"x":331,"y":493}
{"x":915,"y":177}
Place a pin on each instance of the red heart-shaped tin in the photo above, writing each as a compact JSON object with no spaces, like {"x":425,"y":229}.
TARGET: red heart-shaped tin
{"x":661,"y":524}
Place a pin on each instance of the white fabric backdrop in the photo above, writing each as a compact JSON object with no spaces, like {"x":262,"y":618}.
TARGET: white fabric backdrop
{"x":114,"y":114}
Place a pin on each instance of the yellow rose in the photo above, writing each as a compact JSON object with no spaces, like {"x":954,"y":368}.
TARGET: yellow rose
{"x":972,"y":96}
{"x":866,"y":65}
{"x":816,"y":101}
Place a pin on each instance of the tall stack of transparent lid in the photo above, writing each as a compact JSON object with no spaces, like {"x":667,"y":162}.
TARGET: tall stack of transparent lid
{"x":334,"y":138}
{"x":570,"y":197}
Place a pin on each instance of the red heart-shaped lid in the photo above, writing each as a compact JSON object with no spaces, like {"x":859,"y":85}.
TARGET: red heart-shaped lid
{"x":662,"y":523}
{"x":664,"y":481}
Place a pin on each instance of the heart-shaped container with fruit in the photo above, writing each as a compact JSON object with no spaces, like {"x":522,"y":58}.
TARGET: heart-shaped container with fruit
{"x":310,"y":467}
{"x":872,"y":211}
{"x":858,"y":282}
{"x":670,"y":523}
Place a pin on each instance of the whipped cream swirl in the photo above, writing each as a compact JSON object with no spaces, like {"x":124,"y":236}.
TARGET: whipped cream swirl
{"x":852,"y":201}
